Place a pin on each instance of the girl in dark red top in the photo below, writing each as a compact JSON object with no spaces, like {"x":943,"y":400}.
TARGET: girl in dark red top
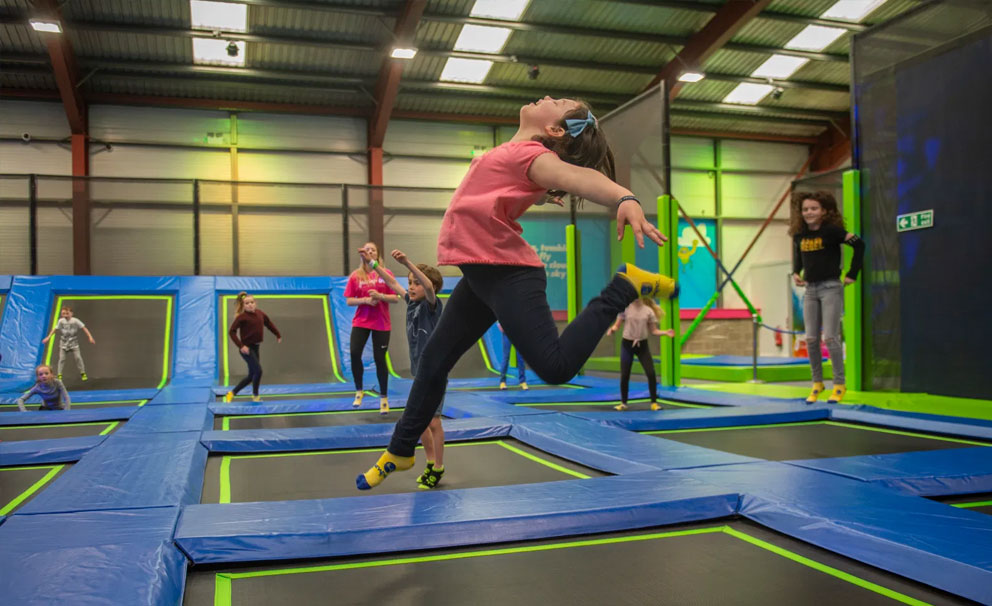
{"x":250,"y":323}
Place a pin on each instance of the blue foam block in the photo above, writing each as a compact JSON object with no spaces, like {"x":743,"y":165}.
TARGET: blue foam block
{"x":195,"y":356}
{"x":744,"y":361}
{"x":412,"y":521}
{"x":169,"y":418}
{"x":77,"y":415}
{"x":933,"y":543}
{"x":92,"y":558}
{"x":338,"y":437}
{"x":295,"y":388}
{"x":610,"y":449}
{"x":486,"y":406}
{"x":129,"y":472}
{"x":22,"y":327}
{"x":964,"y":430}
{"x":925,"y":473}
{"x":716,"y":398}
{"x":97,"y":395}
{"x":39,"y":452}
{"x":650,"y":420}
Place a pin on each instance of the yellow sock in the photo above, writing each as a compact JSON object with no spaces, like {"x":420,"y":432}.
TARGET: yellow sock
{"x":387,"y":464}
{"x":229,"y":396}
{"x":648,"y":284}
{"x":837,"y":394}
{"x":814,"y":395}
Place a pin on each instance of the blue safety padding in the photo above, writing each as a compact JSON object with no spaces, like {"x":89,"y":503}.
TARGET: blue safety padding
{"x":744,"y":361}
{"x":716,"y":398}
{"x":566,"y":394}
{"x":697,"y":418}
{"x":40,"y":452}
{"x":293,"y":388}
{"x":93,"y":558}
{"x":243,"y":532}
{"x":129,"y":472}
{"x":932,"y":543}
{"x":304,"y":285}
{"x":114,"y":285}
{"x":22,"y":327}
{"x":612,"y":450}
{"x":919,"y":415}
{"x":195,"y":359}
{"x":97,"y":395}
{"x":485,"y":406}
{"x":925,"y":473}
{"x":169,"y":418}
{"x":339,"y":437}
{"x":61,"y":417}
{"x":182,"y":395}
{"x":964,"y":430}
{"x":5,"y":281}
{"x":274,"y":407}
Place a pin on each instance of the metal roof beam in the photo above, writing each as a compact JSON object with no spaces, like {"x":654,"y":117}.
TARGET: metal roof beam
{"x":64,"y":68}
{"x":388,"y":84}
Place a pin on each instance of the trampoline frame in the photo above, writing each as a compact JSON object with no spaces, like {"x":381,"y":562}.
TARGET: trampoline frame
{"x":168,"y":323}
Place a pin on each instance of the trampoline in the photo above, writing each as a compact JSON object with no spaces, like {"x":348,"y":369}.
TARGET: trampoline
{"x":306,"y":419}
{"x":18,"y":485}
{"x":33,"y":403}
{"x":980,"y":502}
{"x":670,"y":565}
{"x":133,"y":336}
{"x":812,"y":440}
{"x":307,"y":352}
{"x":20,"y":433}
{"x":329,"y":474}
{"x":245,"y":396}
{"x":607,"y":405}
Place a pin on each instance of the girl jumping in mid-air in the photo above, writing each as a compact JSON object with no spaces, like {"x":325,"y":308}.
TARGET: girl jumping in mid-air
{"x":641,"y":319}
{"x":370,"y":294}
{"x":817,"y":231}
{"x":52,"y":391}
{"x":68,"y":327}
{"x":250,"y":323}
{"x":558,"y":147}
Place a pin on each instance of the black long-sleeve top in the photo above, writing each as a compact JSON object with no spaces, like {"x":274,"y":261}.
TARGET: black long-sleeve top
{"x":251,"y":328}
{"x":818,"y":253}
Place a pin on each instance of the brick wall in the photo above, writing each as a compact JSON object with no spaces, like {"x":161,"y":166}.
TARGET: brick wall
{"x":715,"y":337}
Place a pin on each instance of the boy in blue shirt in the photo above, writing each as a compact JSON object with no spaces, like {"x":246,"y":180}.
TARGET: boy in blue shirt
{"x":423,"y":310}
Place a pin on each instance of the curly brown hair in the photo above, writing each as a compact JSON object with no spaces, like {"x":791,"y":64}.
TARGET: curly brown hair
{"x":590,"y":149}
{"x":827,"y":202}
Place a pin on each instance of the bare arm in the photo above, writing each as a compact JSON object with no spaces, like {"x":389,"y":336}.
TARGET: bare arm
{"x":25,"y":396}
{"x":356,"y":301}
{"x":550,"y":172}
{"x":46,"y":339}
{"x":390,"y":281}
{"x":616,"y":326}
{"x":429,"y":293}
{"x":88,"y":335}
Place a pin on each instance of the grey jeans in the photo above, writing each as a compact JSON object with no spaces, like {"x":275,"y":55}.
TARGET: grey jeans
{"x":76,"y":354}
{"x":822,"y":309}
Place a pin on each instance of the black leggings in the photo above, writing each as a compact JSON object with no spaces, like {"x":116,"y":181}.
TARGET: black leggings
{"x":380,"y":345}
{"x":254,"y":360}
{"x":627,"y":352}
{"x":516,"y":297}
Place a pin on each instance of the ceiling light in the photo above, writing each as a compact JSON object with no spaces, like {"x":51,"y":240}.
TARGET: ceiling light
{"x":851,"y":10}
{"x":213,"y":51}
{"x":51,"y":27}
{"x":218,"y":16}
{"x":691,"y":77}
{"x":815,"y":38}
{"x":747,"y":93}
{"x":403,"y":53}
{"x":509,"y":10}
{"x":465,"y":70}
{"x":482,"y":39}
{"x":779,"y":67}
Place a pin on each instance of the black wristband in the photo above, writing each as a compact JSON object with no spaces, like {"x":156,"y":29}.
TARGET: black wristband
{"x":625,"y":198}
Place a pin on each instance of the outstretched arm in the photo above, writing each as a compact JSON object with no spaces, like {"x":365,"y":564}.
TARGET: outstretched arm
{"x":429,"y":293}
{"x":550,"y":172}
{"x":386,"y":277}
{"x":27,"y":394}
{"x":88,"y":335}
{"x":46,"y":339}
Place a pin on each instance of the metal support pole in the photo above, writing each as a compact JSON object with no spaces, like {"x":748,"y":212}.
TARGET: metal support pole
{"x":196,"y":227}
{"x":345,"y":245}
{"x":756,"y":326}
{"x":33,"y":222}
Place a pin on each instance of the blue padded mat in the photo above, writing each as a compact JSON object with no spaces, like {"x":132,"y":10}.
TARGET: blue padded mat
{"x":77,"y":415}
{"x":39,"y":452}
{"x":651,"y":420}
{"x":169,"y":418}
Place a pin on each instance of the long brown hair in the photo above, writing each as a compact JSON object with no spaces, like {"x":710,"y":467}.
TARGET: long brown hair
{"x":241,"y":302}
{"x":590,"y":149}
{"x":363,"y":276}
{"x":827,"y":201}
{"x":658,"y":313}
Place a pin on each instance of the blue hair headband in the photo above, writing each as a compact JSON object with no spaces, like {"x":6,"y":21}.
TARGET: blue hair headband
{"x":576,"y":126}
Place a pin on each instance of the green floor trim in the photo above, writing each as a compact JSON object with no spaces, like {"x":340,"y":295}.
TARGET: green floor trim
{"x":906,"y":402}
{"x":168,"y":323}
{"x":222,"y":581}
{"x":225,"y":463}
{"x":832,"y":423}
{"x":963,"y":505}
{"x":53,"y":471}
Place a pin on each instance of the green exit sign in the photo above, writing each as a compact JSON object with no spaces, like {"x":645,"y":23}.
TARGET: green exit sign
{"x":917,"y":220}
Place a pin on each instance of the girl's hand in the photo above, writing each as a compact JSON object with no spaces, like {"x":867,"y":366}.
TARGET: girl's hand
{"x":669,"y":333}
{"x":45,"y":340}
{"x":799,"y":281}
{"x":92,"y":341}
{"x":400,"y":257}
{"x":848,"y":281}
{"x":244,"y":349}
{"x":278,"y":339}
{"x":374,"y":296}
{"x":611,"y":330}
{"x":630,"y":213}
{"x":364,"y":255}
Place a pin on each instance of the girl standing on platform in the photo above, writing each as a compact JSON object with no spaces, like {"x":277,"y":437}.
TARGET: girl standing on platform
{"x":641,"y":320}
{"x":250,"y":323}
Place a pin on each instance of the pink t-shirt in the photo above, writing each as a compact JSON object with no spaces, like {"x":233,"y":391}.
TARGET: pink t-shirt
{"x":480,"y":225}
{"x":375,"y":317}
